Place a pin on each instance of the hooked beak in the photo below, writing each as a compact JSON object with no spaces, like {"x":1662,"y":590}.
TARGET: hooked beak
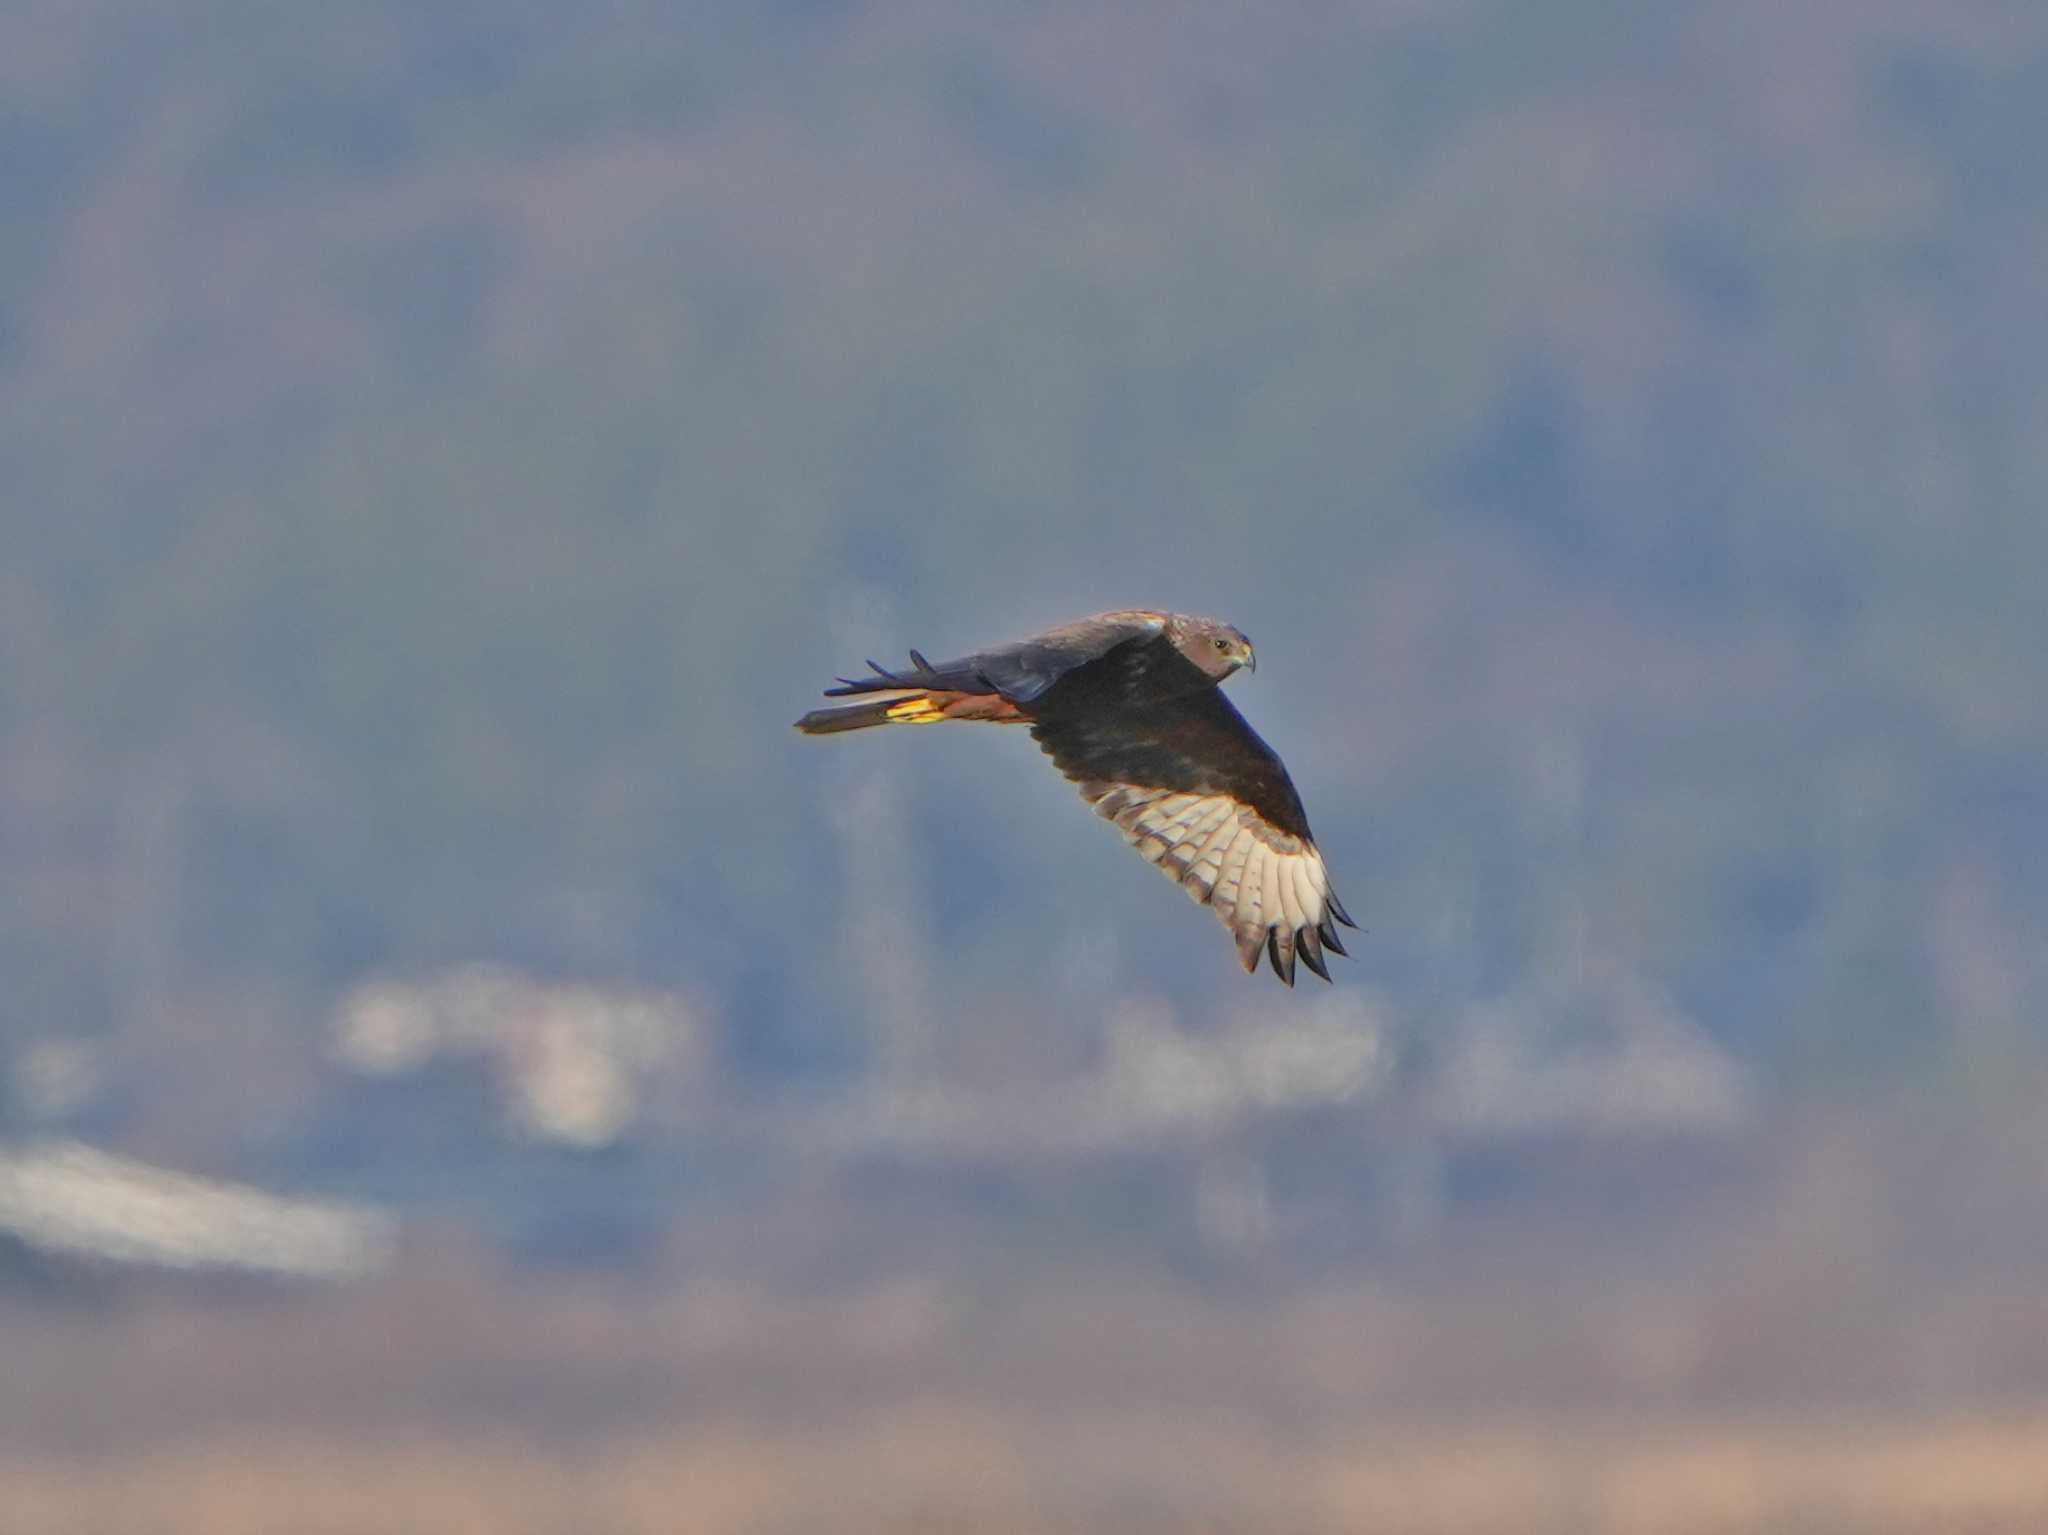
{"x":1251,"y":658}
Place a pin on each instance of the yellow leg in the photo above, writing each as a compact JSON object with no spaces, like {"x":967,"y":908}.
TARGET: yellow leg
{"x":916,"y":711}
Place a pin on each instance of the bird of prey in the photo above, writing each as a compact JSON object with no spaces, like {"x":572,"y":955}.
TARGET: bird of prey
{"x":1128,"y":705}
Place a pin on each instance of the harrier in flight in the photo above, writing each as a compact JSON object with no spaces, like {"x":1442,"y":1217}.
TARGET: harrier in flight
{"x":1128,"y":705}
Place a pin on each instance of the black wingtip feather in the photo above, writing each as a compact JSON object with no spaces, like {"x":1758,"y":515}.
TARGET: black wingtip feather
{"x":1337,"y":910}
{"x":917,"y":660}
{"x":1282,"y":959}
{"x":1310,"y":951}
{"x":1328,"y":933}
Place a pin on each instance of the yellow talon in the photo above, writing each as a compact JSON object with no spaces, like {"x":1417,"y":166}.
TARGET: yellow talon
{"x":916,"y":711}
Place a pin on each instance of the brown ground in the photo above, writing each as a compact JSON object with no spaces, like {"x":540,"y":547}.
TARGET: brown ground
{"x":945,"y":1467}
{"x":1807,"y":1359}
{"x":451,"y":1398}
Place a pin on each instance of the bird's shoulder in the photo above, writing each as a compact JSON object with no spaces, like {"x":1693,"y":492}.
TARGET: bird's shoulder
{"x":1101,"y":632}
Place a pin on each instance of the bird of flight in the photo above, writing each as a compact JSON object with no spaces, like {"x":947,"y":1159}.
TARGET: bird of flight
{"x":1128,"y":705}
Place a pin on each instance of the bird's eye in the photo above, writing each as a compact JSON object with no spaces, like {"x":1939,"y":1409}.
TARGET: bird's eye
{"x":1222,"y":644}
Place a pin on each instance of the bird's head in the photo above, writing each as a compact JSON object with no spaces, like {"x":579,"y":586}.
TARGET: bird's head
{"x":1217,"y":649}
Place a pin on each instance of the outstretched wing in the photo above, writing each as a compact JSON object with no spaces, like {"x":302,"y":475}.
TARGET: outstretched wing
{"x":1020,"y":673}
{"x":1196,"y":792}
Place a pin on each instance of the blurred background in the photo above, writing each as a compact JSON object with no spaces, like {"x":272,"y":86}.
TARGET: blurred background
{"x":465,"y":1063}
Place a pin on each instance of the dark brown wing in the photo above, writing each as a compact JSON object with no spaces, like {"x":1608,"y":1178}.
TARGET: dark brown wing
{"x":1195,"y":790}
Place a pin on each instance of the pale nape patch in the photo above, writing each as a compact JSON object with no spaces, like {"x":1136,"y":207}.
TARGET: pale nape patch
{"x":1267,"y":886}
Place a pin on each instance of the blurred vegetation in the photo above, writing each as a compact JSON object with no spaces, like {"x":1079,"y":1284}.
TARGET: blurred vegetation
{"x":445,"y":444}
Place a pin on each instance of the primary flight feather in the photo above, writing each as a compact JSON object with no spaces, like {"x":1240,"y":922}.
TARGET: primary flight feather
{"x":1128,"y":705}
